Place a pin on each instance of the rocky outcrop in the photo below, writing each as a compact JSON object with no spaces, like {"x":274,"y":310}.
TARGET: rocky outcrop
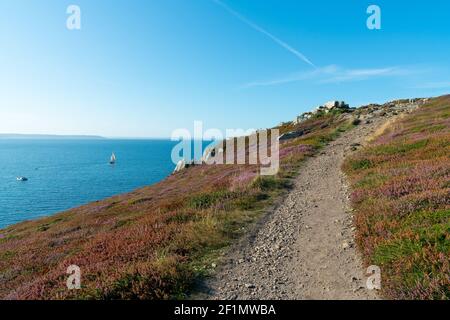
{"x":335,"y":105}
{"x":303,"y":117}
{"x":371,"y":111}
{"x":323,"y":109}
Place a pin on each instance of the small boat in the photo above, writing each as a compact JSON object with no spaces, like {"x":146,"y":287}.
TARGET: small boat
{"x":113,"y":159}
{"x":22,"y":179}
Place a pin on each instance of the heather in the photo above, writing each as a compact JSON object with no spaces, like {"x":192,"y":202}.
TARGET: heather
{"x":401,"y":196}
{"x":154,"y":242}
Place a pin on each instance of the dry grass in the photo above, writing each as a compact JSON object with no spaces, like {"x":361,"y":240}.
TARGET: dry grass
{"x":388,"y":125}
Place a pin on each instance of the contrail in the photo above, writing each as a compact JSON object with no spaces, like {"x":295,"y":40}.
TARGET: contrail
{"x":266,"y":33}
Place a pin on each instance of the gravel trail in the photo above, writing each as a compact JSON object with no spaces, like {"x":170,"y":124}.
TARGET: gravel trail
{"x":304,"y":248}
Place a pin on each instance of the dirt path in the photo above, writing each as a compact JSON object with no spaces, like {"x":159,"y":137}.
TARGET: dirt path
{"x":303,"y":249}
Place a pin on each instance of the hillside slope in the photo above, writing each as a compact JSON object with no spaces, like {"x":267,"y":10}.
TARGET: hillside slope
{"x":156,"y":242}
{"x":152,"y":243}
{"x":401,"y":193}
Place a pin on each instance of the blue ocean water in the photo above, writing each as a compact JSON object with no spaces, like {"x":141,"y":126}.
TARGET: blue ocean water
{"x":67,"y":173}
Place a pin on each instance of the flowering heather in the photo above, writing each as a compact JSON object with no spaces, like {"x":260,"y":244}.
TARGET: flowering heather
{"x":302,"y":148}
{"x":154,"y":242}
{"x":243,"y":179}
{"x":401,"y":193}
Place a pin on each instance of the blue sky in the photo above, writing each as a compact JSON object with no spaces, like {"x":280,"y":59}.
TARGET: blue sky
{"x":145,"y":68}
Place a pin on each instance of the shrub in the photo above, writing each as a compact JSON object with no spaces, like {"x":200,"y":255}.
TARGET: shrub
{"x":270,"y":183}
{"x":206,"y":200}
{"x":361,"y":164}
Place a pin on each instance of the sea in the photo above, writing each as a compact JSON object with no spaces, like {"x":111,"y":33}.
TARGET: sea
{"x":66,"y":173}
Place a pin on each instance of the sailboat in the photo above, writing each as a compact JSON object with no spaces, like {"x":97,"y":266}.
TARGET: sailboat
{"x":113,"y":159}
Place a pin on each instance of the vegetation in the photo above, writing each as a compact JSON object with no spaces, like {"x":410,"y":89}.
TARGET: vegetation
{"x":152,"y":243}
{"x":401,"y":194}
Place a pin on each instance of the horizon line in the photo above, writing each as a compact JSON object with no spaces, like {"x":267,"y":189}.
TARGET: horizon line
{"x":9,"y":135}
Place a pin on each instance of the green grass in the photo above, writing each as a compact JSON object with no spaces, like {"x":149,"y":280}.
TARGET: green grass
{"x":398,"y":148}
{"x":207,"y":200}
{"x":361,"y":164}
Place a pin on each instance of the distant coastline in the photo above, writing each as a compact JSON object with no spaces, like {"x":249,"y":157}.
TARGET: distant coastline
{"x":49,"y":136}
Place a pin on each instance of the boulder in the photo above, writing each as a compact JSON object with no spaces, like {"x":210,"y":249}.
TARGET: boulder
{"x":180,"y":166}
{"x":303,"y":117}
{"x":291,"y":135}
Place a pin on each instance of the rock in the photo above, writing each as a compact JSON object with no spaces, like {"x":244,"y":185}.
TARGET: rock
{"x":291,"y":135}
{"x":336,"y":104}
{"x":213,"y":265}
{"x":327,"y":107}
{"x":345,"y":245}
{"x":249,"y":286}
{"x":211,"y":152}
{"x":180,"y":166}
{"x":358,"y":288}
{"x":303,"y":117}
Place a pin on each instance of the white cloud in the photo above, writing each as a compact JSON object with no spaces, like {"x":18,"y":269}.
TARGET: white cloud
{"x":254,"y":26}
{"x":345,"y":75}
{"x":295,"y":77}
{"x":320,"y":75}
{"x":335,"y":74}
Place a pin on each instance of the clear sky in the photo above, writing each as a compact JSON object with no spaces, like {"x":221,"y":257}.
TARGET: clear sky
{"x":145,"y":68}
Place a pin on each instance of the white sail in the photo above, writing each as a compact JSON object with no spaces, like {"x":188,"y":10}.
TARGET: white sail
{"x":113,"y":158}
